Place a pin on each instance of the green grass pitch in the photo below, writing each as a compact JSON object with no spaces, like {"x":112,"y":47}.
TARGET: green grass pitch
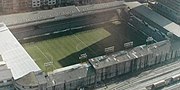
{"x":65,"y":50}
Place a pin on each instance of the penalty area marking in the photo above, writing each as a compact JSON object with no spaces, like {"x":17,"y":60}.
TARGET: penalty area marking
{"x":44,"y":55}
{"x":50,"y":56}
{"x":77,"y":46}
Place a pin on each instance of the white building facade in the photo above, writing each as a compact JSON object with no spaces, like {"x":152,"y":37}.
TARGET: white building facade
{"x":36,"y":3}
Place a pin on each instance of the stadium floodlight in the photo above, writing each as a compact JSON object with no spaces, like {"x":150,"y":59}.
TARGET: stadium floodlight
{"x":109,"y":49}
{"x":149,"y":40}
{"x":48,"y":64}
{"x":83,"y":56}
{"x":128,"y":44}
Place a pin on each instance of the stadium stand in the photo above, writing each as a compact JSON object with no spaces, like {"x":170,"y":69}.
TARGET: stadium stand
{"x":15,"y":56}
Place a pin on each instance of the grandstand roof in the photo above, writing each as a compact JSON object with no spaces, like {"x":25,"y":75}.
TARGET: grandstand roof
{"x":36,"y":17}
{"x":155,"y":17}
{"x":15,"y":56}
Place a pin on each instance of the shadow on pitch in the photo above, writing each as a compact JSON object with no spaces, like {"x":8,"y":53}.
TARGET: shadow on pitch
{"x":120,"y":34}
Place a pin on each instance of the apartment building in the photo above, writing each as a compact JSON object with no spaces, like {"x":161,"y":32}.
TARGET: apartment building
{"x":51,"y":2}
{"x":1,"y":8}
{"x":7,"y":6}
{"x":23,"y":5}
{"x":19,"y":6}
{"x":81,"y":2}
{"x":36,"y":3}
{"x":14,"y":6}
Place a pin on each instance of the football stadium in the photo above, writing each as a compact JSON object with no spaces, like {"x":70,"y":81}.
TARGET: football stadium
{"x":66,"y":50}
{"x":85,"y":32}
{"x":85,"y":47}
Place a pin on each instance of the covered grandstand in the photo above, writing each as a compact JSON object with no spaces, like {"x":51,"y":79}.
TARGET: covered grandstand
{"x":65,"y":25}
{"x":168,"y":8}
{"x":150,"y":22}
{"x":91,"y":29}
{"x":40,"y":23}
{"x":15,"y":56}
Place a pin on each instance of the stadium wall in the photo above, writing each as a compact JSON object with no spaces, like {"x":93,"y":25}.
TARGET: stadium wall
{"x":157,"y":55}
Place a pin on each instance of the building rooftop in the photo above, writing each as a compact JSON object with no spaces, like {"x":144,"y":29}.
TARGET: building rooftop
{"x":28,"y":80}
{"x":118,"y":57}
{"x":15,"y":56}
{"x":5,"y":74}
{"x":154,"y":17}
{"x":122,"y":56}
{"x":69,"y":73}
{"x":3,"y":65}
{"x":40,"y":76}
{"x":32,"y":79}
{"x":37,"y":17}
{"x":1,"y":59}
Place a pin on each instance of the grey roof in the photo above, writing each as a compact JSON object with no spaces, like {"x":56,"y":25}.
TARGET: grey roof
{"x":15,"y":56}
{"x":161,"y":47}
{"x":3,"y":65}
{"x":119,"y":57}
{"x":155,"y":17}
{"x":40,"y":76}
{"x":5,"y":74}
{"x":28,"y":80}
{"x":70,"y":73}
{"x":1,"y":58}
{"x":122,"y":56}
{"x":32,"y":79}
{"x":37,"y":17}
